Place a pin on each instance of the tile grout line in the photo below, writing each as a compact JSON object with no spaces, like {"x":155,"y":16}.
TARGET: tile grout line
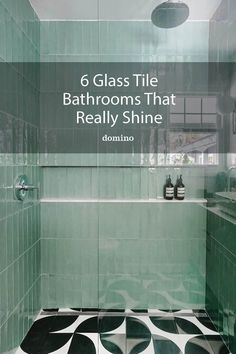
{"x":19,"y":257}
{"x":221,"y":245}
{"x":19,"y":119}
{"x":34,"y":203}
{"x":22,"y":30}
{"x":27,"y":292}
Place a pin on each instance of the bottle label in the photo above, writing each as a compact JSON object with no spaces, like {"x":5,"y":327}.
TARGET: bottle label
{"x":169,"y":192}
{"x":180,"y":192}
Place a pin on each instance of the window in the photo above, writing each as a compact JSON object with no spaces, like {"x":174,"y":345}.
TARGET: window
{"x":200,"y":111}
{"x":192,"y":135}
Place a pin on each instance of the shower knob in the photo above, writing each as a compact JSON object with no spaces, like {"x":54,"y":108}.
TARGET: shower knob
{"x":22,"y":187}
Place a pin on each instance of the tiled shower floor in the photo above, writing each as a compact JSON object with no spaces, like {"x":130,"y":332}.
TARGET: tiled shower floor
{"x":123,"y":332}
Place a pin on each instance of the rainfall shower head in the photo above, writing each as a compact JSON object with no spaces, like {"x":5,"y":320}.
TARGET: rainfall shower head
{"x":170,"y":14}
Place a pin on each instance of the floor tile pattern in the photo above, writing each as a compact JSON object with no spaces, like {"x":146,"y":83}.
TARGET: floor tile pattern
{"x":79,"y":331}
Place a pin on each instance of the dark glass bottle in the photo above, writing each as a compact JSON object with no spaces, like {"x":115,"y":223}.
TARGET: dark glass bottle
{"x":180,"y":189}
{"x":176,"y":186}
{"x":168,"y":189}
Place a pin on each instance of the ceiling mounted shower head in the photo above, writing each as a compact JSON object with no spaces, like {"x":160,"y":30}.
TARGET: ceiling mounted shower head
{"x":170,"y":14}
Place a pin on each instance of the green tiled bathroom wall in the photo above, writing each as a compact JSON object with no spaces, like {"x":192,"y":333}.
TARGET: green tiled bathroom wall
{"x":117,"y":182}
{"x":146,"y":261}
{"x":221,"y":275}
{"x":20,"y":32}
{"x":222,"y":42}
{"x":19,"y":221}
{"x":145,"y":249}
{"x":65,"y":41}
{"x":69,"y":255}
{"x":94,"y":254}
{"x":117,"y":41}
{"x":111,"y":248}
{"x":221,"y":229}
{"x":99,"y":247}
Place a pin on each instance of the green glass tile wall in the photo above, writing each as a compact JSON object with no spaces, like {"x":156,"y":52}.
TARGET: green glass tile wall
{"x":69,"y":254}
{"x":154,"y":254}
{"x":117,"y":182}
{"x":19,"y":35}
{"x":122,"y":41}
{"x":221,"y":275}
{"x":145,"y":250}
{"x":222,"y":42}
{"x":19,"y":222}
{"x":221,"y":230}
{"x":76,"y":41}
{"x":126,"y":240}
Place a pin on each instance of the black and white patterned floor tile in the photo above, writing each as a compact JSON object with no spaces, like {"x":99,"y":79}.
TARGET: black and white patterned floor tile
{"x":73,"y":331}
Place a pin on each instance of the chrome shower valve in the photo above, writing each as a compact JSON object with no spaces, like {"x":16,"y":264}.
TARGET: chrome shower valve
{"x":22,"y":187}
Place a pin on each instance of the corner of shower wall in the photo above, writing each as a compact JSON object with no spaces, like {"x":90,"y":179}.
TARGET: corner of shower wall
{"x":19,"y":221}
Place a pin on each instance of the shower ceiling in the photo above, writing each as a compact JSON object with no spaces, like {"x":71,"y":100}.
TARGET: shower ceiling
{"x":115,"y":10}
